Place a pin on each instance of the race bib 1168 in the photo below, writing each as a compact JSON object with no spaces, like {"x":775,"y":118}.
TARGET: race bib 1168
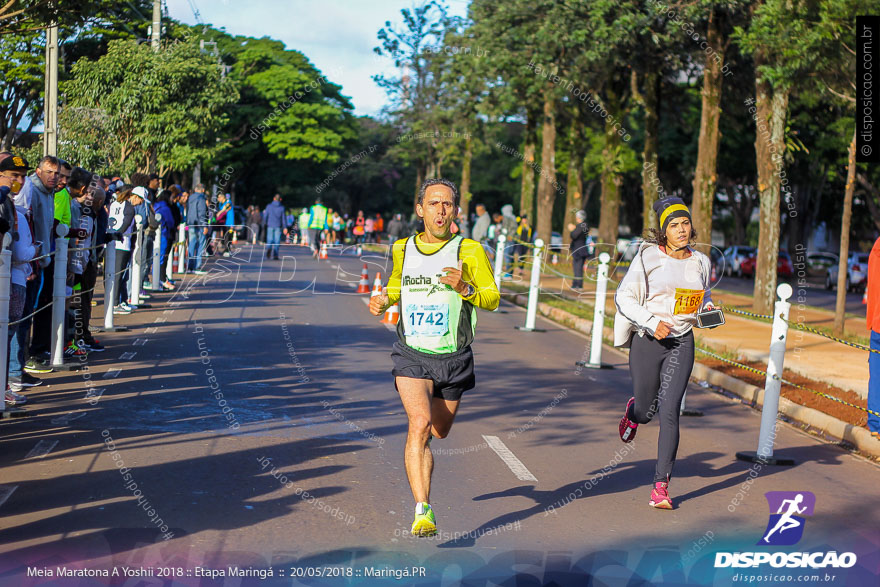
{"x":688,"y":301}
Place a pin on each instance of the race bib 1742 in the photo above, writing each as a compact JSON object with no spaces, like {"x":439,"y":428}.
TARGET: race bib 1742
{"x":687,"y":301}
{"x":427,"y":319}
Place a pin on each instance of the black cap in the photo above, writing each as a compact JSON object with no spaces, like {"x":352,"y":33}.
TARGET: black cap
{"x":14,"y":163}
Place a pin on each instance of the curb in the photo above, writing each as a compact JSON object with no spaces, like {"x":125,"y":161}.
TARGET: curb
{"x":752,"y":395}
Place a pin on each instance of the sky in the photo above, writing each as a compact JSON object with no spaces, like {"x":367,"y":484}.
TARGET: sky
{"x":337,"y":36}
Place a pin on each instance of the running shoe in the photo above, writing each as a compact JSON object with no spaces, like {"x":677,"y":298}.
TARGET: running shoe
{"x":147,"y":285}
{"x":35,"y":366}
{"x":424,"y":524}
{"x":14,"y":399}
{"x":72,"y":350}
{"x":26,"y":380}
{"x":122,"y":309}
{"x":168,"y":286}
{"x":200,"y":272}
{"x":660,"y":496}
{"x":91,"y":345}
{"x":627,"y":427}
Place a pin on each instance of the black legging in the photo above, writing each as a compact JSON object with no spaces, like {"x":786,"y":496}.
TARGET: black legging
{"x":120,"y":274}
{"x":660,"y":370}
{"x":166,"y":259}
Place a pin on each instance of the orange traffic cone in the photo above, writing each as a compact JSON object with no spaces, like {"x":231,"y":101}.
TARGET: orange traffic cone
{"x":865,"y":298}
{"x":714,"y":275}
{"x":295,"y":239}
{"x":555,"y":259}
{"x":360,"y":251}
{"x":364,"y":284}
{"x":392,"y":314}
{"x":377,"y":285}
{"x":324,"y":251}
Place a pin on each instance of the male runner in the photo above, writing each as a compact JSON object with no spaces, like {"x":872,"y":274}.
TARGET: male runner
{"x":439,"y":279}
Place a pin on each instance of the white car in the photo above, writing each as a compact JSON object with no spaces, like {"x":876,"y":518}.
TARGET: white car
{"x":856,"y":273}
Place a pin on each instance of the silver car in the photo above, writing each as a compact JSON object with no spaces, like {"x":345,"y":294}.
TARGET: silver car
{"x":856,"y":273}
{"x":734,"y":256}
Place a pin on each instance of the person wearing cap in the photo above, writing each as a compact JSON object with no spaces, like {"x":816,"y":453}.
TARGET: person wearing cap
{"x":13,"y":170}
{"x":657,"y":301}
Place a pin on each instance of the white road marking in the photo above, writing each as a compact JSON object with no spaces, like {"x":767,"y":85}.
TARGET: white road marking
{"x":391,"y":327}
{"x":127,"y":356}
{"x":66,"y":418}
{"x":513,"y":463}
{"x":43,"y":448}
{"x":168,"y":311}
{"x":151,"y":330}
{"x":5,"y":492}
{"x":112,"y":373}
{"x":159,"y":320}
{"x":140,"y":341}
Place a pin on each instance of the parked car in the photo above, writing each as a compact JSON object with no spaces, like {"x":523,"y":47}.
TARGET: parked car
{"x":734,"y":256}
{"x":556,"y":242}
{"x":819,"y":262}
{"x":856,"y":273}
{"x":627,"y":247}
{"x":783,"y":265}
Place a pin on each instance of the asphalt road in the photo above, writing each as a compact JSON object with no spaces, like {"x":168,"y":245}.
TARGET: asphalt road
{"x":298,"y":465}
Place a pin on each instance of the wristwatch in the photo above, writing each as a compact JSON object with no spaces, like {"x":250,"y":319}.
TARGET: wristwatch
{"x":471,"y":290}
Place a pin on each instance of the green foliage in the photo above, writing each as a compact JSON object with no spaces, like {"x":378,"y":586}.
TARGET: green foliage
{"x":166,"y":105}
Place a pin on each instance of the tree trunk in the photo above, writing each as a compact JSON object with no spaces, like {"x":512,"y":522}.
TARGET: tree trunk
{"x":705,"y":174}
{"x":575,"y":182}
{"x":547,"y":180}
{"x":650,"y":170}
{"x":465,"y":187}
{"x":840,"y":308}
{"x":609,"y":215}
{"x":772,"y":108}
{"x":527,"y":195}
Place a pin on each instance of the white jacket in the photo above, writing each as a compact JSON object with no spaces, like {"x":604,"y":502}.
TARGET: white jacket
{"x":632,"y":316}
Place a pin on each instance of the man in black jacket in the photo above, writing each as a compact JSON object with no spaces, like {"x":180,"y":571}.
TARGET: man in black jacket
{"x":578,"y":248}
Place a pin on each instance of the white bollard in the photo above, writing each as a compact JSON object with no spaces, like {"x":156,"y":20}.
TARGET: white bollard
{"x":157,"y":258}
{"x":110,"y":293}
{"x":499,"y":264}
{"x":773,"y":384}
{"x":59,"y":297}
{"x":598,"y":315}
{"x":134,"y":294}
{"x":5,"y":286}
{"x":181,"y":255}
{"x":534,"y":288}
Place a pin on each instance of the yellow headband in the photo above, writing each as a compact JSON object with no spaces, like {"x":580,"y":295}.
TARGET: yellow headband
{"x":670,"y":210}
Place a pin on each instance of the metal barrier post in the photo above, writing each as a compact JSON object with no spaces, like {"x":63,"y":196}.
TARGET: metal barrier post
{"x":181,"y":255}
{"x":59,"y":299}
{"x":499,"y":264}
{"x":110,"y":293}
{"x":534,"y":288}
{"x":157,"y":258}
{"x":772,"y":385}
{"x":134,"y":298}
{"x":598,"y":328}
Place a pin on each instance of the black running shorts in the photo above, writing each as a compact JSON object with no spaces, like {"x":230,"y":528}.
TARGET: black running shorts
{"x":452,"y":373}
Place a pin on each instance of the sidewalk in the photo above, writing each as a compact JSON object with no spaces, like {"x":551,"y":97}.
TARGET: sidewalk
{"x":809,"y":355}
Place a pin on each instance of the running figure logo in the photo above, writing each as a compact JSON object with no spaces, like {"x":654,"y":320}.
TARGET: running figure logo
{"x":786,"y":526}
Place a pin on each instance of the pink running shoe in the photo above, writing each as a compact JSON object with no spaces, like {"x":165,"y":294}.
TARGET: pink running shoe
{"x":627,"y":427}
{"x":660,"y":496}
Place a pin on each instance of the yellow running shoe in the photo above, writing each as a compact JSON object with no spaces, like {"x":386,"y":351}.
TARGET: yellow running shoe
{"x":424,"y":524}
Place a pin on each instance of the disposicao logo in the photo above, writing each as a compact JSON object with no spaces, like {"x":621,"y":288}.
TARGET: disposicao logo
{"x":785,"y":528}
